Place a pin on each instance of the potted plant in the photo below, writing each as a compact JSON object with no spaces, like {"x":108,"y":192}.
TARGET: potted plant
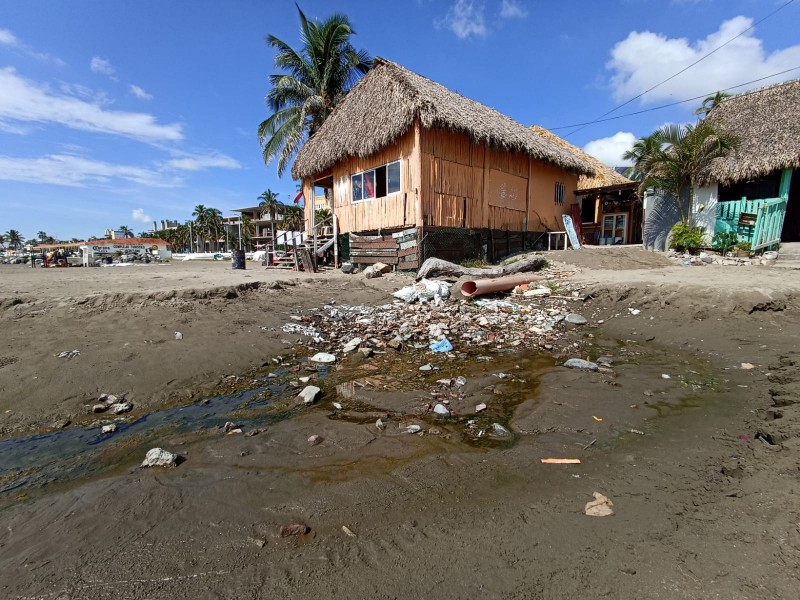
{"x":743,"y":248}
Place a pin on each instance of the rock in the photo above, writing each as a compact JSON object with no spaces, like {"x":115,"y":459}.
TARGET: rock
{"x":604,"y":361}
{"x":371,"y":272}
{"x":428,"y":367}
{"x":480,"y":407}
{"x":314,"y":440}
{"x":352,"y":345}
{"x":178,"y":335}
{"x":367,"y":352}
{"x":108,"y":428}
{"x":665,"y":376}
{"x":230,"y":426}
{"x":323,"y":357}
{"x":347,"y":268}
{"x":500,"y":430}
{"x":441,"y":409}
{"x":158,"y":457}
{"x":395,"y":343}
{"x":382,"y":268}
{"x":62,"y":424}
{"x":98,"y":408}
{"x":309,"y":394}
{"x":121,"y":407}
{"x":292,"y":529}
{"x":537,"y":293}
{"x":576,"y":319}
{"x":579,"y":363}
{"x":413,"y":429}
{"x":337,"y":405}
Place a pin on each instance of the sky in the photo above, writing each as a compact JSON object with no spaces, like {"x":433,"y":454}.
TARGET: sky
{"x":122,"y":112}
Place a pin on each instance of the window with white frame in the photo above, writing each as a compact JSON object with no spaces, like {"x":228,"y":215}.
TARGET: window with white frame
{"x":559,"y":193}
{"x":376,"y":183}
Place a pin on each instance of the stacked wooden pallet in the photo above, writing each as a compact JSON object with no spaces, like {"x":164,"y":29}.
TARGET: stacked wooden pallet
{"x":398,"y":248}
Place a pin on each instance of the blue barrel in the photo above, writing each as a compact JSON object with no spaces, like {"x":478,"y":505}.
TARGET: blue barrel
{"x":237,"y":259}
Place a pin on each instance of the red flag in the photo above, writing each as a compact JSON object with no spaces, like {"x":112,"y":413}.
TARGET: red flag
{"x":297,"y":198}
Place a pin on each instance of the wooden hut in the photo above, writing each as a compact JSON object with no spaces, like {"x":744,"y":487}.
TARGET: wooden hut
{"x":756,"y":179}
{"x":608,"y":210}
{"x":403,"y":159}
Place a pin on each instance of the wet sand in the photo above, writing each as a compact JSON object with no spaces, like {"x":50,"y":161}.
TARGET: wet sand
{"x":704,"y":508}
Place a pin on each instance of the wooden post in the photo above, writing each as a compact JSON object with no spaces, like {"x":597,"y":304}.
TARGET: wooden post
{"x":335,"y":241}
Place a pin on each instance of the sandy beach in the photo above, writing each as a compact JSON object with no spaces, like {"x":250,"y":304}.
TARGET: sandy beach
{"x":702,"y":466}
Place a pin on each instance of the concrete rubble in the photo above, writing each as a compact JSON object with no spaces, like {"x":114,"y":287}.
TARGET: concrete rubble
{"x":158,"y":457}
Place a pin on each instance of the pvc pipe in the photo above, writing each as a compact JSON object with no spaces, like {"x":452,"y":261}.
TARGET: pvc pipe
{"x":470,"y":289}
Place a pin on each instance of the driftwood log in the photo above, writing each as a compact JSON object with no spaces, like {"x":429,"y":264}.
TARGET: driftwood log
{"x":436,"y":267}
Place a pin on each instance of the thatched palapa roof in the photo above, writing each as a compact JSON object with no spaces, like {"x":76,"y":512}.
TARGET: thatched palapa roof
{"x":383,"y":106}
{"x":767,"y":123}
{"x":604,"y":176}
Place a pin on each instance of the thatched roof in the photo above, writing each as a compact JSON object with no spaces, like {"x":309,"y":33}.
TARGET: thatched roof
{"x":604,"y":175}
{"x":383,"y":106}
{"x":767,"y":122}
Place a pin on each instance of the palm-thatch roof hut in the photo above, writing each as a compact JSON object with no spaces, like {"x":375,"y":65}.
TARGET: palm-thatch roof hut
{"x":610,"y":211}
{"x":400,"y":97}
{"x":767,"y":122}
{"x":402,"y":152}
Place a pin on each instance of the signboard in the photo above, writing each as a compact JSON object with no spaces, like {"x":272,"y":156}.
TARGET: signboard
{"x":570,"y":227}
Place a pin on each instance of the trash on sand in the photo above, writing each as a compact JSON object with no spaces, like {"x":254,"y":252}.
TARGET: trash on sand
{"x":337,"y":406}
{"x":108,"y":428}
{"x":599,"y":507}
{"x":500,"y":430}
{"x":379,"y":424}
{"x":428,"y":367}
{"x":579,"y":363}
{"x":292,"y":529}
{"x":425,"y":290}
{"x":665,"y":376}
{"x":315,"y":439}
{"x":461,"y":381}
{"x":347,"y":531}
{"x":561,"y":461}
{"x":68,"y":354}
{"x":178,"y":335}
{"x":323,"y":357}
{"x":158,"y":457}
{"x":479,"y":287}
{"x":230,"y":426}
{"x":442,"y":346}
{"x":306,"y":330}
{"x":496,"y":305}
{"x":120,"y":407}
{"x":309,"y":394}
{"x":634,"y":311}
{"x":637,"y":432}
{"x":576,"y":319}
{"x":413,"y":429}
{"x":598,"y":419}
{"x":480,"y":407}
{"x":441,"y":409}
{"x":747,"y":366}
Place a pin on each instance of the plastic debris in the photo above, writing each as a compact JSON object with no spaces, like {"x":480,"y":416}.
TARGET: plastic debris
{"x":309,"y":394}
{"x":561,"y":461}
{"x":178,"y":335}
{"x":306,"y":330}
{"x":379,"y":424}
{"x":599,"y":507}
{"x":500,"y":430}
{"x":425,"y":291}
{"x":337,"y":406}
{"x":480,"y":407}
{"x":665,"y":376}
{"x":108,"y":428}
{"x":347,"y":531}
{"x":442,"y":346}
{"x":68,"y":354}
{"x":579,"y":363}
{"x":323,"y":357}
{"x":413,"y":429}
{"x":461,"y":381}
{"x":598,"y":419}
{"x":441,"y":409}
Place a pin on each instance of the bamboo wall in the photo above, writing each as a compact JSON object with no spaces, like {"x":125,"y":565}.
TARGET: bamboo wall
{"x":457,"y":183}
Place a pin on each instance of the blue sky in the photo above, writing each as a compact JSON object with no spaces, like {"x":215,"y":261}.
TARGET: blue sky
{"x":120,"y":112}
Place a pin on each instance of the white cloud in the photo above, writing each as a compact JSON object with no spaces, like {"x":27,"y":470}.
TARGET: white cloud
{"x":102,"y":66}
{"x":7,"y":38}
{"x":23,"y":100}
{"x":511,"y":9}
{"x":644,"y":59}
{"x":465,"y":18}
{"x":139,"y":92}
{"x":609,"y":150}
{"x":75,"y":171}
{"x":199,"y":163}
{"x":139,"y":216}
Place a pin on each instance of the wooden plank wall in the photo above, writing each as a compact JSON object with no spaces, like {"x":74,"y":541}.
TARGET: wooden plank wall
{"x":398,"y":249}
{"x":466,"y":185}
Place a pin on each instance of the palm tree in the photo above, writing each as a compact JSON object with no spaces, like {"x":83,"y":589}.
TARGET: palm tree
{"x":42,"y":236}
{"x":293,"y":218}
{"x":644,"y":150}
{"x":3,"y":240}
{"x":685,"y":151}
{"x":248,"y":230}
{"x":710,"y":102}
{"x":269,"y":205}
{"x":14,"y":239}
{"x":125,"y":231}
{"x":318,"y":77}
{"x":199,"y":226}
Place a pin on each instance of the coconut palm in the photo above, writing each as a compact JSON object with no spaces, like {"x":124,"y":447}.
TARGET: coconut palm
{"x":710,"y":102}
{"x":685,"y":151}
{"x":268,"y":205}
{"x":125,"y":231}
{"x":41,"y":236}
{"x":643,"y":152}
{"x":293,"y":218}
{"x":14,"y":239}
{"x":317,"y":77}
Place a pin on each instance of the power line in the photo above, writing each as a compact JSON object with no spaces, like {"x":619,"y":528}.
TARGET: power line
{"x":702,"y":58}
{"x":646,"y":110}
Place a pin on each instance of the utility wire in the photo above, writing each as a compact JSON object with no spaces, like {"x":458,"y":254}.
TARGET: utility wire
{"x":706,"y":95}
{"x":702,"y":58}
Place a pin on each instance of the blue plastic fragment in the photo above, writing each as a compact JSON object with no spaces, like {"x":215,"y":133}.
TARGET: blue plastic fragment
{"x":442,"y":346}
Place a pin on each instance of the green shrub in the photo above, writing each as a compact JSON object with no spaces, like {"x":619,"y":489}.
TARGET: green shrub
{"x":724,"y":241}
{"x":474,"y":263}
{"x":686,"y":237}
{"x":744,"y":246}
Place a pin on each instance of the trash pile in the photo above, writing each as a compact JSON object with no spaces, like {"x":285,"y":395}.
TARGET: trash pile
{"x":424,"y":319}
